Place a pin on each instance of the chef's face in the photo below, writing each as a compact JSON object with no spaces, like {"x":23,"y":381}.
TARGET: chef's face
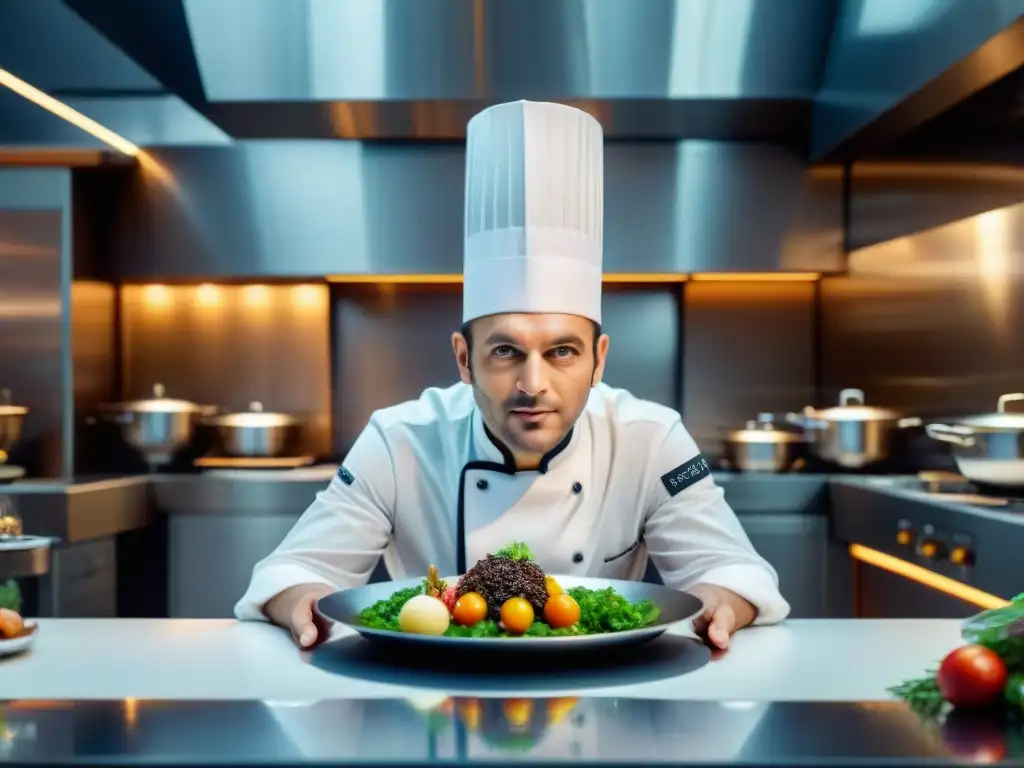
{"x":531,"y":376}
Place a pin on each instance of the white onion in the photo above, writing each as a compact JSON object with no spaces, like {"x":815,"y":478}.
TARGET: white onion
{"x":424,"y":615}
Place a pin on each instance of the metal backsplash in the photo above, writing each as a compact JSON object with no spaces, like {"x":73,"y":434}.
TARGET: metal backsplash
{"x":930,"y":323}
{"x":748,"y":348}
{"x":305,"y":208}
{"x":231,"y":345}
{"x":34,"y":284}
{"x":742,"y":348}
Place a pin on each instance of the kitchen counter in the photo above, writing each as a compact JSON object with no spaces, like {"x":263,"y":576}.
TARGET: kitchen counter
{"x":164,"y":692}
{"x":827,"y":660}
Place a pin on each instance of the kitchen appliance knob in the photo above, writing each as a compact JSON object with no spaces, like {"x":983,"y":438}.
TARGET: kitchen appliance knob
{"x":930,"y":548}
{"x":904,"y":538}
{"x":961,"y":556}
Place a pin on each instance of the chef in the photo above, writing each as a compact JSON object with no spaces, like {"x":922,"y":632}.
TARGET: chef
{"x":530,"y":445}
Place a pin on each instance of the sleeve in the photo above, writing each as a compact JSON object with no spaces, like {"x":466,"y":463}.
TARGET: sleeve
{"x":694,"y":537}
{"x":339,"y":539}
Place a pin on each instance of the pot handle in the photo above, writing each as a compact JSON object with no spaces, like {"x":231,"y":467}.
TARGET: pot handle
{"x":909,"y":422}
{"x":851,"y":397}
{"x":805,"y":420}
{"x":1010,"y":398}
{"x":962,"y":436}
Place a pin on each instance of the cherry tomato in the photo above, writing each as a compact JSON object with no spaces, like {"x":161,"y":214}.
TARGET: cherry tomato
{"x":561,"y":611}
{"x":518,"y":711}
{"x":469,"y":609}
{"x":972,"y":676}
{"x":517,"y":615}
{"x":11,"y":623}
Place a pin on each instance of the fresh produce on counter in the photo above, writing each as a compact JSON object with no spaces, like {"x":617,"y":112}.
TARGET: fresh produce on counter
{"x":11,"y":623}
{"x":985,"y":673}
{"x":506,"y":595}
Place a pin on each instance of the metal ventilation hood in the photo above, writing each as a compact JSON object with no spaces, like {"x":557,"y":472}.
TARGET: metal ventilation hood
{"x":743,"y":70}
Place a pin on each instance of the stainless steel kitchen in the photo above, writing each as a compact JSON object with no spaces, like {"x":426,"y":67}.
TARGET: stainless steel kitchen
{"x":232,"y":231}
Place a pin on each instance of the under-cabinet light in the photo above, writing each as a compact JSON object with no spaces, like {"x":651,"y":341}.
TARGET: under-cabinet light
{"x":756,"y":277}
{"x":63,"y":111}
{"x":927,"y":578}
{"x":608,"y":277}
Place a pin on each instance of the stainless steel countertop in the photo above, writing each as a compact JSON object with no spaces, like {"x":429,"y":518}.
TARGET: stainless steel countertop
{"x":800,"y":660}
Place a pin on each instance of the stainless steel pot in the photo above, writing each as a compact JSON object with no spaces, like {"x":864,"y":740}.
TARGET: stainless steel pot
{"x":853,"y":435}
{"x":762,"y":447}
{"x":988,"y":449}
{"x":12,"y":417}
{"x":157,"y":428}
{"x":256,"y":433}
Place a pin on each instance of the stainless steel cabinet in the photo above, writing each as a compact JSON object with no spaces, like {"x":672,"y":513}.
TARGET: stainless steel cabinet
{"x":797,"y":547}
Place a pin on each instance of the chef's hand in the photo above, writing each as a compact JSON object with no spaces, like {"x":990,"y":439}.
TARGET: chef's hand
{"x":724,"y":613}
{"x":293,"y":610}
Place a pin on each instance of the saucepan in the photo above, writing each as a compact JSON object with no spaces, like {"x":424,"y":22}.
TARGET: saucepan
{"x":765,"y":447}
{"x":11,"y":419}
{"x":158,"y":428}
{"x":256,"y":433}
{"x":988,"y":449}
{"x":852,"y":434}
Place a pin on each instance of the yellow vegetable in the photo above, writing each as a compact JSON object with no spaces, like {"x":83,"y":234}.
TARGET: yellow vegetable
{"x":554,"y":588}
{"x":423,"y":615}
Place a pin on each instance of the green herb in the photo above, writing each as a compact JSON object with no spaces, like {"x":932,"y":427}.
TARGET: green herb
{"x":384,"y":613}
{"x":1000,"y":630}
{"x":605,"y":610}
{"x":923,"y":695}
{"x":10,"y":596}
{"x":517,"y":550}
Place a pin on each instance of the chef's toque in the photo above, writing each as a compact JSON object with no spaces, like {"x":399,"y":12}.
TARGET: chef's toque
{"x":534,"y":211}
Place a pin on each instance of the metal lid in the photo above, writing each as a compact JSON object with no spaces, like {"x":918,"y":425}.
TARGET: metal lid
{"x":852,"y":408}
{"x":762,"y":430}
{"x":255,"y":417}
{"x":998,"y":420}
{"x":6,"y":409}
{"x":159,"y":404}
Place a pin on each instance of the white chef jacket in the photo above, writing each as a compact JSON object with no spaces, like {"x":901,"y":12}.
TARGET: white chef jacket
{"x":425,"y":483}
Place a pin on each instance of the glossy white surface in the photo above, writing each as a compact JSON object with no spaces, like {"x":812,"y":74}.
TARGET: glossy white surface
{"x":224,"y":659}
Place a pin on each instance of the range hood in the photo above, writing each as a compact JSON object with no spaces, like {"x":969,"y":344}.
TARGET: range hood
{"x":729,"y":70}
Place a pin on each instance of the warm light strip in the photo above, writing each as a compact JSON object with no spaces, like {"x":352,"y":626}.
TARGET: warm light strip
{"x":756,"y":277}
{"x":610,"y":277}
{"x":65,"y":112}
{"x":925,"y":577}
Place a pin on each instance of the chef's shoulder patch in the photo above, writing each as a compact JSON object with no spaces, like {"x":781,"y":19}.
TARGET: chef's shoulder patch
{"x":345,"y":476}
{"x":686,"y":474}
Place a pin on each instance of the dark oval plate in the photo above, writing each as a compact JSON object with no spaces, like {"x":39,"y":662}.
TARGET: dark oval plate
{"x":676,"y":607}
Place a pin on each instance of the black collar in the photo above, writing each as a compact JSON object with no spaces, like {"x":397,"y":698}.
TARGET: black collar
{"x":509,"y":460}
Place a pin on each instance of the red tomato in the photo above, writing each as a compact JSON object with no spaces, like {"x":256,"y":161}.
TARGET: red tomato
{"x":517,"y":615}
{"x":972,"y":676}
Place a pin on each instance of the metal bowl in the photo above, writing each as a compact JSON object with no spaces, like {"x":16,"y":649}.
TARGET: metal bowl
{"x":11,"y":419}
{"x":256,"y":433}
{"x":676,"y":607}
{"x":156,"y":428}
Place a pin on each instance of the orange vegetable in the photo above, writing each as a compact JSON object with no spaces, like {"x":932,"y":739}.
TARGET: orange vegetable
{"x":516,"y":615}
{"x":554,"y":588}
{"x":11,"y":623}
{"x":561,"y":611}
{"x":469,"y":609}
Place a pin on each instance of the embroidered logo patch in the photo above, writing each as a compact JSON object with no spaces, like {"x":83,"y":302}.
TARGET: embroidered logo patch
{"x":345,"y":476}
{"x":685,"y":475}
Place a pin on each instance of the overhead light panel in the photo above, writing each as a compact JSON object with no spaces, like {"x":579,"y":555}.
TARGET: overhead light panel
{"x":63,"y":111}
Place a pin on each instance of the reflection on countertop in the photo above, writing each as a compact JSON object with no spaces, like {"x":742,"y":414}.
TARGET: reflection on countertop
{"x":459,"y":731}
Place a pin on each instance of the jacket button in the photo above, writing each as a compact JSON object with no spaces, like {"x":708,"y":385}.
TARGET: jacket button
{"x":578,"y":557}
{"x":577,"y":487}
{"x":481,"y":484}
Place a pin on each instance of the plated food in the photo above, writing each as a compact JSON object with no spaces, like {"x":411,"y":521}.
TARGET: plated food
{"x":507,"y":595}
{"x":16,"y":634}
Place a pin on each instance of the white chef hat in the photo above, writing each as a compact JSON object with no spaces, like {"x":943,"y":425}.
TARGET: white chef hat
{"x":534,"y":211}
